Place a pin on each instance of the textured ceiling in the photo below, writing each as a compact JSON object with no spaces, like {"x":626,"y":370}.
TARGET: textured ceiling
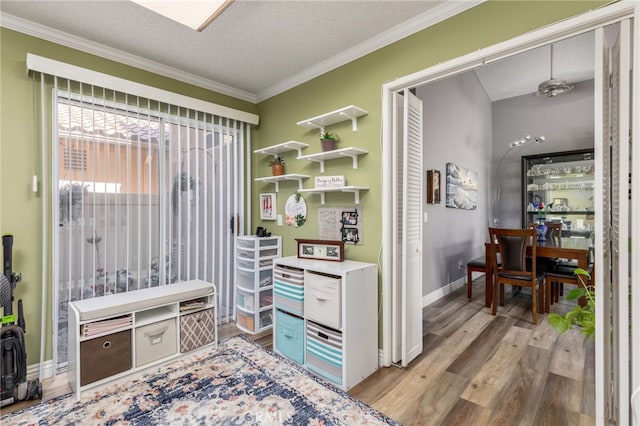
{"x":259,"y":48}
{"x":252,"y":46}
{"x":573,"y":60}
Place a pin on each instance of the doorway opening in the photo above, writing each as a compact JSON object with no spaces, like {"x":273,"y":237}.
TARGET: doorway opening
{"x":605,"y":404}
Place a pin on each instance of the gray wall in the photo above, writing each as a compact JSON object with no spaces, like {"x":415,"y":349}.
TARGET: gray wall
{"x":457,"y":129}
{"x":462,"y":126}
{"x":567,"y":122}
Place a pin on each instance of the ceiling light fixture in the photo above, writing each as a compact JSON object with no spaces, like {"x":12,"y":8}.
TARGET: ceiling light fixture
{"x":553,"y":86}
{"x":189,"y":13}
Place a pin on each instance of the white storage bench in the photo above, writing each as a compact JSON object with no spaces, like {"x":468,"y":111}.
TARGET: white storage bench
{"x":115,"y":335}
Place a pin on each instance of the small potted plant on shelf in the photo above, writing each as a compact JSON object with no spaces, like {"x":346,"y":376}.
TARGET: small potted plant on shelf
{"x":328,"y":141}
{"x":277,"y":165}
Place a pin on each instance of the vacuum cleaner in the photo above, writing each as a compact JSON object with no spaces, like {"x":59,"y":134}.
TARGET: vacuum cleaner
{"x":14,"y":385}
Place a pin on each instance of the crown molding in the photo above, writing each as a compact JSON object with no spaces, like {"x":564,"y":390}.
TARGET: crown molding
{"x":433,"y":16}
{"x":65,"y":39}
{"x":418,"y":23}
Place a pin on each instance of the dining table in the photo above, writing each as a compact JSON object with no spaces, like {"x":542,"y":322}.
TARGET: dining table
{"x":563,"y":248}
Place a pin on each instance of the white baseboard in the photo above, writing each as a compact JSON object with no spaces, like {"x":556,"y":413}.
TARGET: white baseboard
{"x":442,"y":291}
{"x":33,"y":371}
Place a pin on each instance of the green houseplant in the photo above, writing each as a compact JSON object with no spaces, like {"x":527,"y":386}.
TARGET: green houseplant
{"x":277,"y":165}
{"x":582,"y":315}
{"x":328,"y":141}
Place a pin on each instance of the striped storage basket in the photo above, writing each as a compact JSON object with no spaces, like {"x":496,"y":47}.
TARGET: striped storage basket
{"x":324,"y":351}
{"x":288,"y":289}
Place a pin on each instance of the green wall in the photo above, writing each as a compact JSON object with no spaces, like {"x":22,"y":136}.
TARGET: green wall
{"x":356,"y":83}
{"x":20,"y":209}
{"x":360,"y":83}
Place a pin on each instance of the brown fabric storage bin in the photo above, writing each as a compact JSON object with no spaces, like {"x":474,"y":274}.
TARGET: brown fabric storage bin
{"x":105,"y":356}
{"x":196,"y":330}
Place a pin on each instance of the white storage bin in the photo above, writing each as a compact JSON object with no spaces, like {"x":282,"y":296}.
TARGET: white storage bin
{"x":268,"y":242}
{"x":245,"y":264}
{"x":246,"y":300}
{"x":246,"y":253}
{"x":245,"y":279}
{"x":244,"y":243}
{"x":322,"y":299}
{"x":155,"y":341}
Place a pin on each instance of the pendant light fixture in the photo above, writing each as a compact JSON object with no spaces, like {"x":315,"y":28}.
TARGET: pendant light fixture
{"x":553,"y":86}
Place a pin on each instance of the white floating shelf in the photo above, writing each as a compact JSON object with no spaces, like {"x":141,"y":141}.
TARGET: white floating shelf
{"x":350,"y":112}
{"x":282,"y":147}
{"x":321,"y":191}
{"x":277,"y":179}
{"x":320,"y":157}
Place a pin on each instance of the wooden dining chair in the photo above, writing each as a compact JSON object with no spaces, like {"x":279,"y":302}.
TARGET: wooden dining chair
{"x":562,"y":274}
{"x":514,"y":269}
{"x":554,"y":231}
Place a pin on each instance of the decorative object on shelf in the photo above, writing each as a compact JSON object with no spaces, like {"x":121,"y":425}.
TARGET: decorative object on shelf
{"x":321,"y":249}
{"x":498,"y":171}
{"x":433,"y":186}
{"x":262,"y":232}
{"x":325,"y":182}
{"x":295,"y":210}
{"x":277,"y":165}
{"x":462,"y":187}
{"x":268,"y":206}
{"x":541,"y":227}
{"x":328,"y":141}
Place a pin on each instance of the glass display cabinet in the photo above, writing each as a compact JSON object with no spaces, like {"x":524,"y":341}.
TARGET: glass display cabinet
{"x":564,"y":183}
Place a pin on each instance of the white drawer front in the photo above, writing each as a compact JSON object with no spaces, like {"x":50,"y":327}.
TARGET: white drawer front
{"x":322,"y":299}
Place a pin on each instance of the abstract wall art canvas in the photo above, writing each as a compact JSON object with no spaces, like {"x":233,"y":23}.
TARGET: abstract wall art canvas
{"x":462,"y":188}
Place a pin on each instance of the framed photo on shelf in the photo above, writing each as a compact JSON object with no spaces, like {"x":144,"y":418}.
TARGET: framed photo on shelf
{"x":433,"y":186}
{"x":332,"y":250}
{"x":268,"y":206}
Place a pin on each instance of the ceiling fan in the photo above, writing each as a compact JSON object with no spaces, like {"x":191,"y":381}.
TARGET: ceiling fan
{"x":553,"y":86}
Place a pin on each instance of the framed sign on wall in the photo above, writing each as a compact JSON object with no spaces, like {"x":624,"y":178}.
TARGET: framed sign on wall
{"x":268,"y":206}
{"x":433,"y":186}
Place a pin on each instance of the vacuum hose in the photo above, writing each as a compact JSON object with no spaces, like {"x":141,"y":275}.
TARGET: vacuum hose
{"x":5,"y":290}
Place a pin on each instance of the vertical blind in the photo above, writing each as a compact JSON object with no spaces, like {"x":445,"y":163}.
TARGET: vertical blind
{"x":145,"y":193}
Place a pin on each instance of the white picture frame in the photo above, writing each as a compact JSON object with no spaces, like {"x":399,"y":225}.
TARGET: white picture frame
{"x":268,"y":210}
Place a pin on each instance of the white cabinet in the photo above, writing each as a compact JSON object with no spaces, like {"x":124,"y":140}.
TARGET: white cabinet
{"x":254,"y":281}
{"x":115,"y":335}
{"x":326,"y":317}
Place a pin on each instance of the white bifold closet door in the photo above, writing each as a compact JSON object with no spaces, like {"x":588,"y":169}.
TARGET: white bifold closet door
{"x":612,"y":272}
{"x":407,"y":228}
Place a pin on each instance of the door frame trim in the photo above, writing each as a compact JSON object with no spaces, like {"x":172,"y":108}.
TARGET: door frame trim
{"x":543,"y":36}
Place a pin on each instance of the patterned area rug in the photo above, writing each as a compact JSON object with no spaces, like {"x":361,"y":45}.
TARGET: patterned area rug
{"x":239,"y":383}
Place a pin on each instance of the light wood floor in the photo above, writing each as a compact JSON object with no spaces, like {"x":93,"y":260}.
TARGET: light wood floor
{"x":475,"y":369}
{"x":479,"y":369}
